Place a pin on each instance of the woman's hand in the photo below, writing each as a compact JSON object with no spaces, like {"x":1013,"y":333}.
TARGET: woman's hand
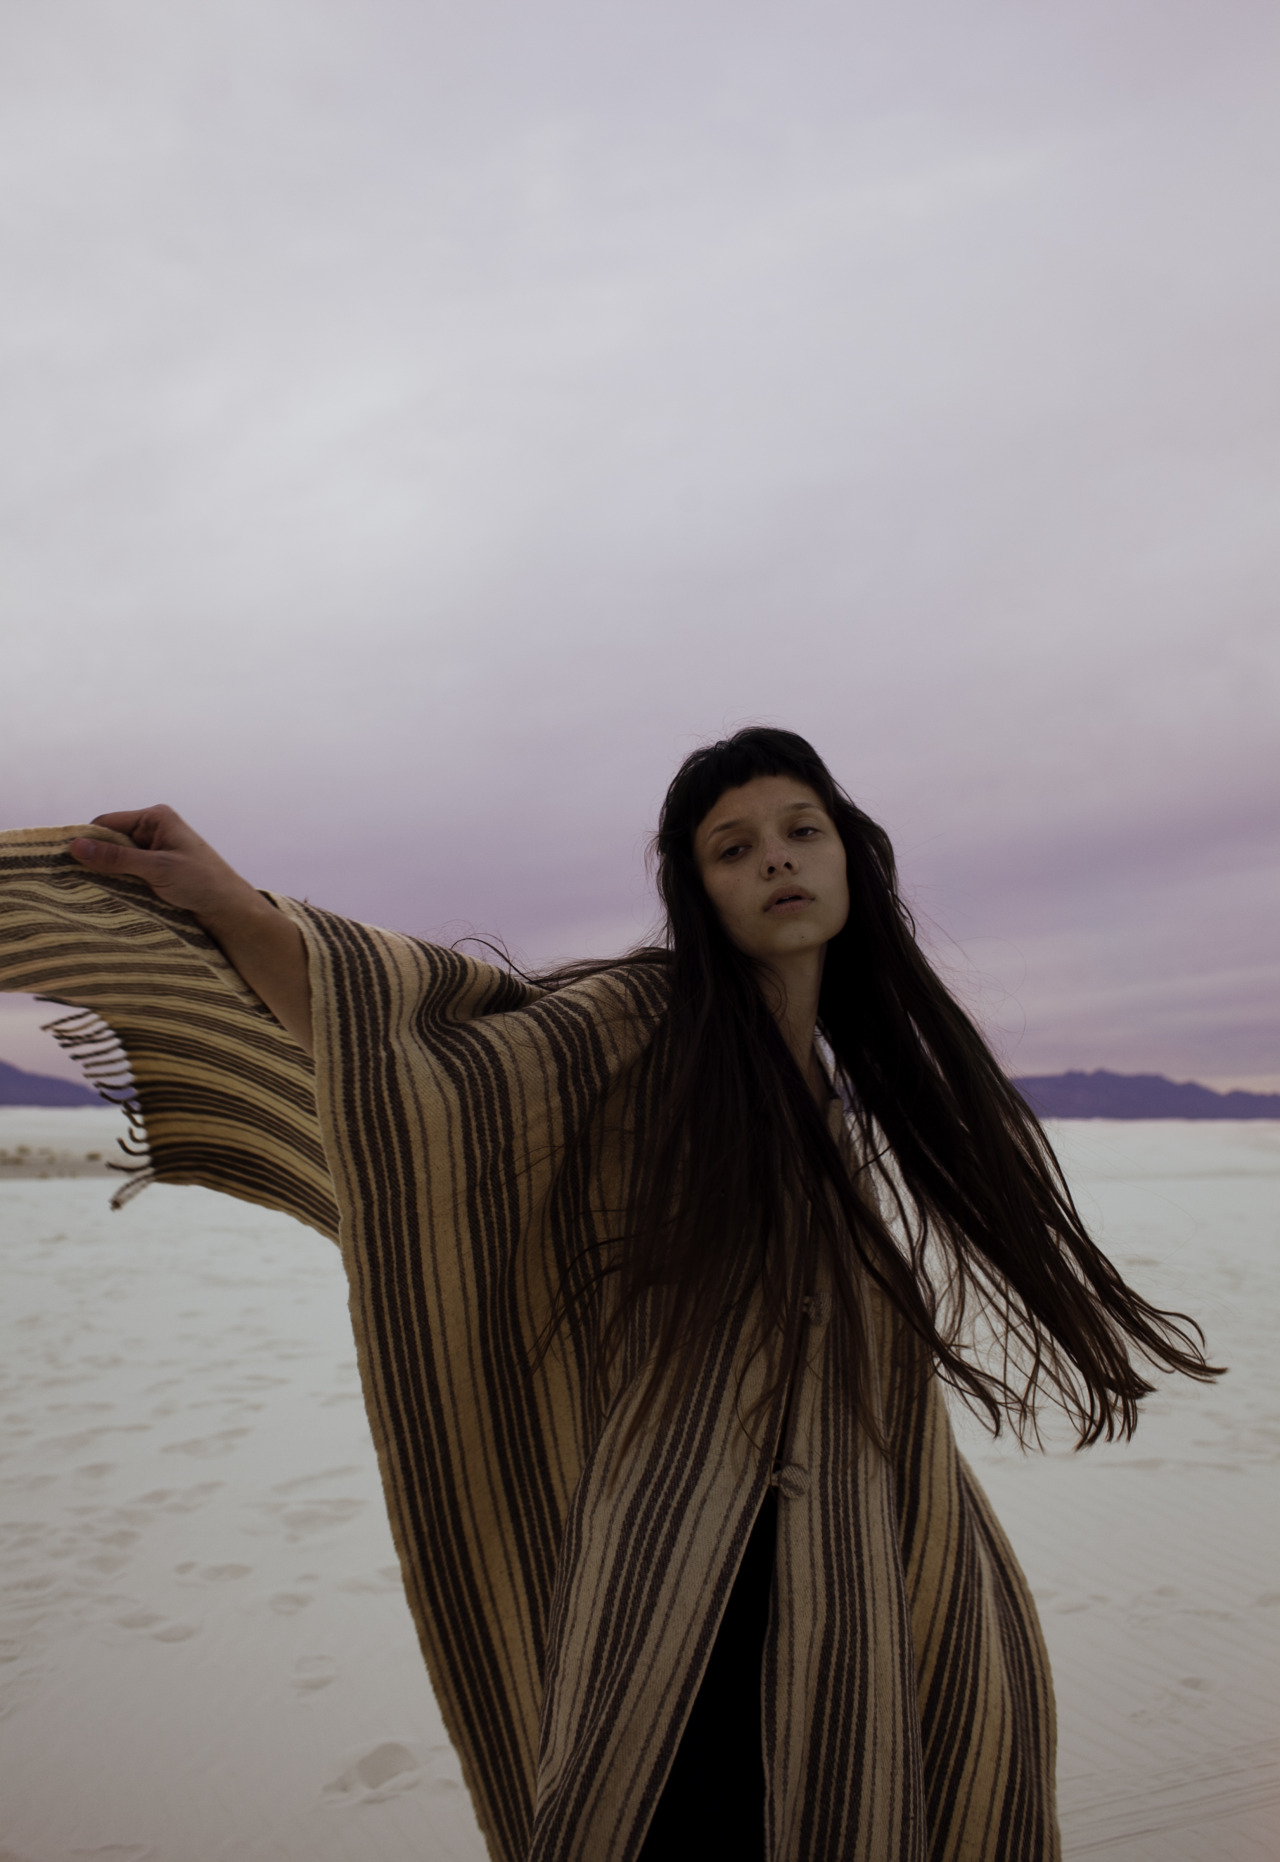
{"x":179,"y":867}
{"x":260,"y":942}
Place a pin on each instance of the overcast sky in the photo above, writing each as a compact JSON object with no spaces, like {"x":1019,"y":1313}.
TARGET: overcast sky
{"x":423,"y":424}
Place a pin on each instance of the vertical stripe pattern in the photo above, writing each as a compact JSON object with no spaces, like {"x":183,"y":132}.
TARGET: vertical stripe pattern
{"x":467,"y":1137}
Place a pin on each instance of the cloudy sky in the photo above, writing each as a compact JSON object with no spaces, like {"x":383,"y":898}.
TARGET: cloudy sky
{"x":424,"y":424}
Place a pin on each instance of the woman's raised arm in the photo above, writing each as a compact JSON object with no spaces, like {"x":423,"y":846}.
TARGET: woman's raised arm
{"x":259,"y":941}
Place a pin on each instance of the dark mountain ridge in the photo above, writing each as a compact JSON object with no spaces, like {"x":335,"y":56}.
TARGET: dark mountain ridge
{"x":1137,"y":1095}
{"x":40,"y":1089}
{"x":1051,"y":1095}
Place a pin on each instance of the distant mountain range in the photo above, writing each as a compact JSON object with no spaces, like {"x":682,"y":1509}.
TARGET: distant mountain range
{"x":38,"y":1089}
{"x":1137,"y":1095}
{"x":1052,"y":1095}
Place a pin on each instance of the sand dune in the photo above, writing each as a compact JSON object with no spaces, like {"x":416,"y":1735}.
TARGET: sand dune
{"x":206,"y":1651}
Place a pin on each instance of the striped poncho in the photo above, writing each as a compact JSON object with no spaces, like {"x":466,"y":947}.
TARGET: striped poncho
{"x":467,"y":1139}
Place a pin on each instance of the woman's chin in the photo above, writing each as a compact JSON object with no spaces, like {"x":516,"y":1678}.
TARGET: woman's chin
{"x":788,"y":940}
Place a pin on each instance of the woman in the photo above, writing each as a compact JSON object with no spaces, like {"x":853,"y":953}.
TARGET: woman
{"x":656,"y":1269}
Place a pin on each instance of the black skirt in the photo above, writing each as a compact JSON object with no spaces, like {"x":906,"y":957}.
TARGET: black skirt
{"x":713,"y":1802}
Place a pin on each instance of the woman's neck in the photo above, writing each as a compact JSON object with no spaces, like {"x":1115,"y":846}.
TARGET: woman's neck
{"x":791,"y":989}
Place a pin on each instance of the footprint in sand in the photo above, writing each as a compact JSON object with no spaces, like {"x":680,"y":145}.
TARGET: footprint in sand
{"x":386,"y":1578}
{"x":192,"y":1498}
{"x":383,"y":1771}
{"x":304,"y":1518}
{"x":1192,"y":1693}
{"x":313,"y":1672}
{"x":102,"y":1564}
{"x":42,"y":1581}
{"x":311,"y":1480}
{"x":1072,"y":1602}
{"x":288,"y":1602}
{"x":160,"y":1628}
{"x":204,"y":1446}
{"x":120,"y":1540}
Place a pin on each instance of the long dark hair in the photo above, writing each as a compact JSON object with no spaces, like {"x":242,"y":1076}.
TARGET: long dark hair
{"x":955,"y":1206}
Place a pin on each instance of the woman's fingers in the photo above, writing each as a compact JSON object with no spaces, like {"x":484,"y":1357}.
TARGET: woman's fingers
{"x":169,"y":856}
{"x":108,"y":856}
{"x":158,"y":835}
{"x":156,"y":827}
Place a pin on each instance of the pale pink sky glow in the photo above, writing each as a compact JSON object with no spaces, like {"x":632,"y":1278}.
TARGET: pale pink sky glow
{"x":424,"y":424}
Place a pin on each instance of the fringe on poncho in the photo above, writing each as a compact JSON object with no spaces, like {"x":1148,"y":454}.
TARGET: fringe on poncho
{"x":468,"y":1139}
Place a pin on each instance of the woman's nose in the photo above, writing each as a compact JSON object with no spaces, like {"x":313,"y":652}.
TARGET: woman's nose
{"x":777,"y":859}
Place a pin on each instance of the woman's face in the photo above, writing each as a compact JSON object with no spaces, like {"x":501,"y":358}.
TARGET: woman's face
{"x":774,"y":867}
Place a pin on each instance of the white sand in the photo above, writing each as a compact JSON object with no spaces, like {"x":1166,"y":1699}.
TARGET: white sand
{"x":205,"y":1648}
{"x":59,"y":1141}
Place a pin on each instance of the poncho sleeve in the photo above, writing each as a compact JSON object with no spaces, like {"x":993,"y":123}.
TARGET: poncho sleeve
{"x":217,"y":1093}
{"x":463,"y":1135}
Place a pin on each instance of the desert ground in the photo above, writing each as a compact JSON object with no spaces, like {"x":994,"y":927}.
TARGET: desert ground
{"x":205,"y":1651}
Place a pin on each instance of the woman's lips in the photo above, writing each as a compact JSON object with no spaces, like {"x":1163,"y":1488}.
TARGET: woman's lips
{"x":788,"y":902}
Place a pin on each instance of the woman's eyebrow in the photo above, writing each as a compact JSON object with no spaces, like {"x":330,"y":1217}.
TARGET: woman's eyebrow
{"x":725,"y":827}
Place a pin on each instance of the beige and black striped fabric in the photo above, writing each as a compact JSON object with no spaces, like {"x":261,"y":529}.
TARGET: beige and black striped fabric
{"x":469,"y":1139}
